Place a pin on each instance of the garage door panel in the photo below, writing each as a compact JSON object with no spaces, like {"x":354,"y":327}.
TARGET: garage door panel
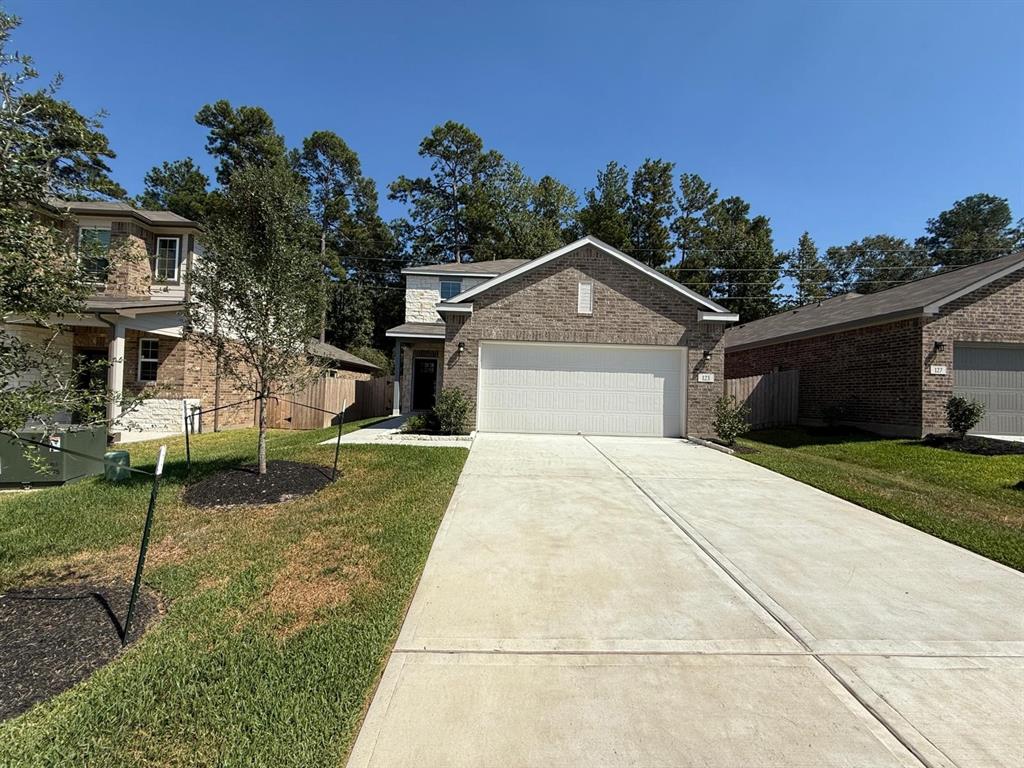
{"x":580,"y":388}
{"x":994,"y":376}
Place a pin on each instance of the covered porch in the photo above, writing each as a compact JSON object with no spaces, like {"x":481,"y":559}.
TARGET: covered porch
{"x":419,"y":365}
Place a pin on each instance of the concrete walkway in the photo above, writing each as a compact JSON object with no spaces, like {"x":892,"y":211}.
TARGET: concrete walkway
{"x":389,"y":432}
{"x":635,"y":602}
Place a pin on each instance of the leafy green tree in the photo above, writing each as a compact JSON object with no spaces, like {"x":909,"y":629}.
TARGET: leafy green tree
{"x":258,"y":294}
{"x":449,"y":210}
{"x":605,"y":213}
{"x":746,"y":268}
{"x":652,"y":208}
{"x":334,"y":178}
{"x":976,"y":228}
{"x":696,"y":197}
{"x":179,"y":186}
{"x":47,"y":149}
{"x":239,"y":137}
{"x":807,"y":271}
{"x":873,"y":264}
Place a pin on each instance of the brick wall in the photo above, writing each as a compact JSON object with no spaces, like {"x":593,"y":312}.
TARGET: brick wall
{"x":994,"y":313}
{"x":130,"y":248}
{"x":873,"y":371}
{"x":628,"y":308}
{"x":200,"y":382}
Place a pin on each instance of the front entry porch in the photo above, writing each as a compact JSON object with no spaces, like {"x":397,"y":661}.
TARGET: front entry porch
{"x":419,"y":366}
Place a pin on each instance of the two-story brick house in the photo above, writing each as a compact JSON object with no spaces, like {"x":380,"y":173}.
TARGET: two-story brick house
{"x":140,"y":261}
{"x":582,"y":340}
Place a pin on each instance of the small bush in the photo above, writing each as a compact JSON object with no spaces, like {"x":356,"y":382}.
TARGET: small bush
{"x":963,"y":415}
{"x":731,"y":419}
{"x":451,"y":411}
{"x":420,"y":422}
{"x":375,"y":356}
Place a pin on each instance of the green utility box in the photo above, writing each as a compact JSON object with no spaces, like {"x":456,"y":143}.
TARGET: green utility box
{"x":61,"y":467}
{"x":117,"y":465}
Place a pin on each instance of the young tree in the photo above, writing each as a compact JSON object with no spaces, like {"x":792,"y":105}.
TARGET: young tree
{"x":47,"y":149}
{"x":178,"y":186}
{"x":257,"y":295}
{"x":449,"y":209}
{"x":605,"y":213}
{"x":652,"y":208}
{"x":806,"y":271}
{"x":976,"y":228}
{"x":873,"y":264}
{"x":239,"y":137}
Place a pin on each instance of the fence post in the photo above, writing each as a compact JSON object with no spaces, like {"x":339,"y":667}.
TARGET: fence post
{"x":186,"y":418}
{"x":337,"y":446}
{"x":144,"y":546}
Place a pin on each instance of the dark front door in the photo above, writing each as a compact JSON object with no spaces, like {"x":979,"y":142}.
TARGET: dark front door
{"x":424,"y":383}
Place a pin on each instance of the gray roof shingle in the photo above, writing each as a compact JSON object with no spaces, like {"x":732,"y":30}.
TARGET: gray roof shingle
{"x":417,"y":330}
{"x":853,"y":308}
{"x":347,"y":359}
{"x":477,"y":268}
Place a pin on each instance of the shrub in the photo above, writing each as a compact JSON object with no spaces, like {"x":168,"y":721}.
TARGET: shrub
{"x":375,"y":356}
{"x":420,"y":422}
{"x":963,"y":415}
{"x":731,"y":419}
{"x":451,"y":410}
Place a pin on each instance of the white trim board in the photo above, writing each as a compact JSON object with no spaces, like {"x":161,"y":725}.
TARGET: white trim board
{"x":414,"y":335}
{"x":613,"y":252}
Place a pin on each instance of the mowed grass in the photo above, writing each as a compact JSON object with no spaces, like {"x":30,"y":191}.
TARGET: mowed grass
{"x":967,"y":500}
{"x":279,"y":618}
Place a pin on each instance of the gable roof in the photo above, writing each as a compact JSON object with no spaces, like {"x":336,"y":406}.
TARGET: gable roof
{"x":924,"y":296}
{"x":467,"y":269}
{"x":526,"y":266}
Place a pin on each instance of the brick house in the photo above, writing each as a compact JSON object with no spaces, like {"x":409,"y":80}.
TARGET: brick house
{"x":140,"y":261}
{"x":888,"y":361}
{"x":582,"y":340}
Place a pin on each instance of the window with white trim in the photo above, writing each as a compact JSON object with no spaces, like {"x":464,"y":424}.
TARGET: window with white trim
{"x":94,"y":252}
{"x":450,"y":288}
{"x":165,"y":263}
{"x":149,"y":359}
{"x":585,"y":299}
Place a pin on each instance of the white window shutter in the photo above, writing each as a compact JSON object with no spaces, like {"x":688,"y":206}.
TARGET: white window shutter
{"x":585,"y":299}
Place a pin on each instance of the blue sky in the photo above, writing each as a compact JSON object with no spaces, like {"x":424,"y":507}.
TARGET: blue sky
{"x":842,"y":119}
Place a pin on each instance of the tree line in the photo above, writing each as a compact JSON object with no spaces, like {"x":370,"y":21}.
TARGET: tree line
{"x":474,"y":204}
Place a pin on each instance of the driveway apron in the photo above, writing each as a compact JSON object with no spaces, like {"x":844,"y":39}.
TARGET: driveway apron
{"x":647,"y":602}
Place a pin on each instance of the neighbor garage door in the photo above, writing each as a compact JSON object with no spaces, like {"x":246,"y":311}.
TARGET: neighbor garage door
{"x":994,"y":375}
{"x":588,"y":388}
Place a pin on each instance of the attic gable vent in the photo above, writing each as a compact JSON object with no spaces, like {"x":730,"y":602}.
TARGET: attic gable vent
{"x":585,"y":299}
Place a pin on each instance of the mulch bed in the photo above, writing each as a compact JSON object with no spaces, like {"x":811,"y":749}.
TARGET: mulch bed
{"x":284,"y":480}
{"x":981,"y":446}
{"x":56,"y":636}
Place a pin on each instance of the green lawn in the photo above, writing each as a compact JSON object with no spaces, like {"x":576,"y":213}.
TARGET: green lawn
{"x":967,"y":500}
{"x":280,"y":618}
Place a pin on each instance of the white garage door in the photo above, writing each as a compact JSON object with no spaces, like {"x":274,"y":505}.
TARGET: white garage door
{"x":993,"y":375}
{"x":588,"y":388}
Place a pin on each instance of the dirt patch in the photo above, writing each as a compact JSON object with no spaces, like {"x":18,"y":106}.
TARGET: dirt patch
{"x":284,"y":480}
{"x":55,"y":636}
{"x":318,"y":574}
{"x":979,"y":446}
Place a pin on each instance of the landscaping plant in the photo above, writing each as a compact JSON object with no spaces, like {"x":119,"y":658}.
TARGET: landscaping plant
{"x":731,"y":419}
{"x":963,"y":415}
{"x":451,"y":411}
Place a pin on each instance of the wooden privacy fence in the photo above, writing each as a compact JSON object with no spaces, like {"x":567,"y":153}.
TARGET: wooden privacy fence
{"x":364,"y":399}
{"x":773,"y":398}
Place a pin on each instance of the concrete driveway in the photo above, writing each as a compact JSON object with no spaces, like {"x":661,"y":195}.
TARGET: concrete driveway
{"x":644,"y":602}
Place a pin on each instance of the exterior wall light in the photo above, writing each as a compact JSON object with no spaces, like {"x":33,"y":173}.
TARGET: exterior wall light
{"x":707,"y":354}
{"x":462,"y":347}
{"x":940,"y":345}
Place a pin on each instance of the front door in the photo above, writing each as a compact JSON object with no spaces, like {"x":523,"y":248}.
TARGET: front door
{"x":424,"y":383}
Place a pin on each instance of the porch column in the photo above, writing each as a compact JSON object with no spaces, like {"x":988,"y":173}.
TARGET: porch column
{"x":396,"y":405}
{"x":115,"y":373}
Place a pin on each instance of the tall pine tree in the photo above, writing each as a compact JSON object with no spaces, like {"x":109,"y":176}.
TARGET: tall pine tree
{"x":806,"y":271}
{"x":652,"y":208}
{"x":605,"y":213}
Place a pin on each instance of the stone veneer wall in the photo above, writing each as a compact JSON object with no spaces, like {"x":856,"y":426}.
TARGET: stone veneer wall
{"x":628,"y":308}
{"x":423,"y":293}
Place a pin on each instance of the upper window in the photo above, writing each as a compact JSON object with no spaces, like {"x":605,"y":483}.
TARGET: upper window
{"x":165,"y":265}
{"x":585,"y":299}
{"x":94,"y":252}
{"x":450,"y":288}
{"x":149,"y":359}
